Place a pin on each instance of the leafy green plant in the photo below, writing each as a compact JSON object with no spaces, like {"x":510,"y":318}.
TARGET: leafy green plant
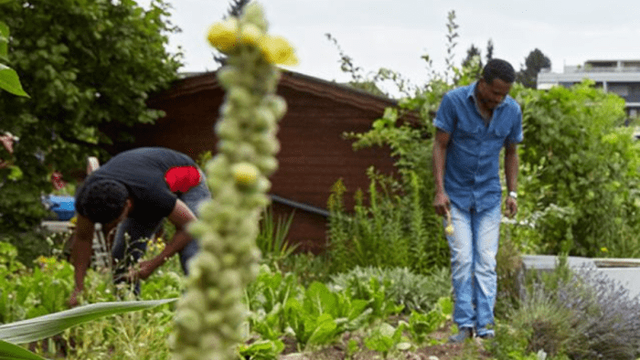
{"x":415,"y":292}
{"x":385,"y":338}
{"x":261,"y":350}
{"x":266,"y":297}
{"x":320,"y":315}
{"x":422,"y":324}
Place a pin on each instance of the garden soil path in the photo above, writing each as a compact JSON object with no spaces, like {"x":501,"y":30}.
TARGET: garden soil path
{"x":471,"y":350}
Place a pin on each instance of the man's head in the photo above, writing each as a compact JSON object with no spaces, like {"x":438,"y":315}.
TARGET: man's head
{"x":497,"y":78}
{"x":104,"y":201}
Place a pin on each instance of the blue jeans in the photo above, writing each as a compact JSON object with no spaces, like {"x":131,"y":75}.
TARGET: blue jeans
{"x":127,"y":252}
{"x":474,"y":246}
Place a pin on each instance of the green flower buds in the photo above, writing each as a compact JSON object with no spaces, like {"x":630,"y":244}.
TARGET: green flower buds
{"x":211,"y":317}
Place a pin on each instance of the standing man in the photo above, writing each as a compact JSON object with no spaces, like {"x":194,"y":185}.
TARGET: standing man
{"x":473,"y":124}
{"x":138,"y":189}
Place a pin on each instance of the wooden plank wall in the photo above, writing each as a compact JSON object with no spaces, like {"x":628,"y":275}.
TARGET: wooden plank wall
{"x":313,"y":156}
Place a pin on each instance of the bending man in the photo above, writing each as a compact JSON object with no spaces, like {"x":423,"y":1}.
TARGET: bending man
{"x":473,"y":124}
{"x":138,"y":189}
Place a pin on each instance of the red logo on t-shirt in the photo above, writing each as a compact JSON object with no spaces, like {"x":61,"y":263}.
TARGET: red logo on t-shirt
{"x":182,"y":178}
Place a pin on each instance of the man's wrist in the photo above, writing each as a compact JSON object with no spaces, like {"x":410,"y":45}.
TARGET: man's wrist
{"x":513,"y":195}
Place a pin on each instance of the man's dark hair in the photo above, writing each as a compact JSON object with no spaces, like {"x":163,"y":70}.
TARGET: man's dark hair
{"x":498,"y":68}
{"x":102,"y":201}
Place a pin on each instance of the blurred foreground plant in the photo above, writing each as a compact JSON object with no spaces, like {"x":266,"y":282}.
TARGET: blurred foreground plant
{"x":211,"y":316}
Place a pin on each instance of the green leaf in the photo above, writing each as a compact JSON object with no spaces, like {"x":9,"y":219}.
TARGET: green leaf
{"x":10,"y":351}
{"x":48,"y":325}
{"x":15,"y":174}
{"x":10,"y":82}
{"x":324,"y":332}
{"x":319,"y":299}
{"x":4,"y":39}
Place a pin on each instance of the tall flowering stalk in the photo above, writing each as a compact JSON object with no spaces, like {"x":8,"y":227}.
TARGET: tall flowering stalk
{"x":211,"y":315}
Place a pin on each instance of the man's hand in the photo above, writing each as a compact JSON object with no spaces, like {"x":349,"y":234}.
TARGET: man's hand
{"x":511,"y":207}
{"x":441,"y":203}
{"x":141,"y":271}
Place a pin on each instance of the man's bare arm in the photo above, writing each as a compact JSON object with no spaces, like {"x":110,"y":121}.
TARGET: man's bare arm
{"x":181,"y":216}
{"x":440,"y":144}
{"x":511,"y":163}
{"x":81,"y":250}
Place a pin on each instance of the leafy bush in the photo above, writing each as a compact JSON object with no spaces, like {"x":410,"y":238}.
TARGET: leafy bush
{"x":579,"y":175}
{"x":415,"y":291}
{"x":392,"y":230}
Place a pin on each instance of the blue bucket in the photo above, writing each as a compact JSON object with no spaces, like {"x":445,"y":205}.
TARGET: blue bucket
{"x":63,"y":206}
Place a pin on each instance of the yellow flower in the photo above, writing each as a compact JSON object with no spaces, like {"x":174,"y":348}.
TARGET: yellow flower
{"x":277,"y":50}
{"x":223,"y":35}
{"x":251,"y":34}
{"x":604,"y":249}
{"x":245,"y":174}
{"x":449,"y":230}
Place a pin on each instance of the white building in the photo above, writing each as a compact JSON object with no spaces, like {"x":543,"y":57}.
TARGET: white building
{"x":618,"y":76}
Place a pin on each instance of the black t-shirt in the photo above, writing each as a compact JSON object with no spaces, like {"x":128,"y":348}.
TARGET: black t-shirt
{"x":153,"y":177}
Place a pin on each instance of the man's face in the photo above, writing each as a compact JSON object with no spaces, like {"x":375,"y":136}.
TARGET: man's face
{"x":123,"y":215}
{"x":491,"y":95}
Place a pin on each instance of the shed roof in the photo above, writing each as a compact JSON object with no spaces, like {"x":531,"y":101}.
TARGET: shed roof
{"x":194,"y":82}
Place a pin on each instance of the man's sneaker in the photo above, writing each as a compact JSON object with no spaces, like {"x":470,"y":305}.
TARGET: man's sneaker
{"x":487,"y":336}
{"x":462,"y":335}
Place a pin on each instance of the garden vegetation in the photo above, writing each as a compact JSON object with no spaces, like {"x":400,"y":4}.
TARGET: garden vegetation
{"x":382,"y":288}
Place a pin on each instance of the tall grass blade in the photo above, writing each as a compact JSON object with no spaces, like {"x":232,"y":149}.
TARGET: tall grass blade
{"x":10,"y":351}
{"x":42,"y":327}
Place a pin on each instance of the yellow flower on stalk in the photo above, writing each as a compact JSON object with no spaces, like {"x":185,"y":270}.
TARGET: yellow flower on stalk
{"x":251,"y":34}
{"x":277,"y":50}
{"x":223,"y":35}
{"x":245,"y":174}
{"x":604,"y":249}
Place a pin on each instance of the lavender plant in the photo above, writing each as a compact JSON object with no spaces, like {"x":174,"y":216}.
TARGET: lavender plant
{"x":581,"y":313}
{"x":607,"y":313}
{"x":210,"y":316}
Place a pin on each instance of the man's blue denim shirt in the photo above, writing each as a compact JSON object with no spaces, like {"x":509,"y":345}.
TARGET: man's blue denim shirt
{"x":472,"y":168}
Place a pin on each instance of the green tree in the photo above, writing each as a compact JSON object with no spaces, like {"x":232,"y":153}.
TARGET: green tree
{"x":533,"y":63}
{"x":472,"y":52}
{"x":89,"y":66}
{"x":489,"y":55}
{"x":473,"y":59}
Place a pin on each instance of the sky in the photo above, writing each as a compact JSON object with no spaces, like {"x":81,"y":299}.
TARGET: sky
{"x":395,"y":34}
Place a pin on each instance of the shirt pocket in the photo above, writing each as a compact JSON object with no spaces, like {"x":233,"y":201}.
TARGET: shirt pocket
{"x":466,"y":131}
{"x":496,"y":138}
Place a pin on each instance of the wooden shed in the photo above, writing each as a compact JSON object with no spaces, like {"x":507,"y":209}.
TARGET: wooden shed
{"x":314,"y":153}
